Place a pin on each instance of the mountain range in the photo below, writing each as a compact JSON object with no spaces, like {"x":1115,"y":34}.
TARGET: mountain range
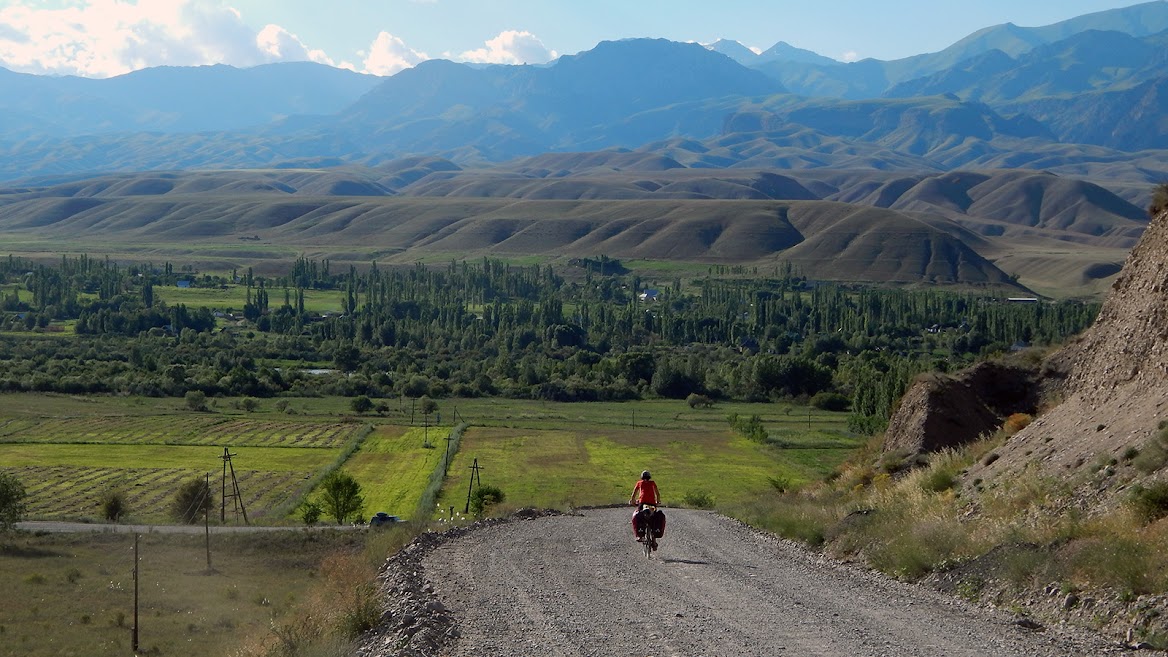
{"x":1009,"y":139}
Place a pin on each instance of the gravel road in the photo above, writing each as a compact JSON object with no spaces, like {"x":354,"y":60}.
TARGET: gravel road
{"x":578,"y":585}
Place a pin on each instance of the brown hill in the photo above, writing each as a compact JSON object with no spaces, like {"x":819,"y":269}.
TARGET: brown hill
{"x":1057,"y":235}
{"x":1108,"y":390}
{"x":1116,"y":388}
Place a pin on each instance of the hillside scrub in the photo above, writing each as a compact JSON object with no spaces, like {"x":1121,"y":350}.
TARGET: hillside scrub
{"x":1159,"y":200}
{"x":999,"y":544}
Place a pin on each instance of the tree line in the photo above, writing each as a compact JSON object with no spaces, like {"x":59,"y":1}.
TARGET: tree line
{"x":488,"y":328}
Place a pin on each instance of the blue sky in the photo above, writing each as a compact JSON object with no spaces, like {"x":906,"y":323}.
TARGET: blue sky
{"x":99,"y":38}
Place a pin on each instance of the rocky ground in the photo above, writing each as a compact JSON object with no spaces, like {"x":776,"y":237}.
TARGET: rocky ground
{"x":576,"y":585}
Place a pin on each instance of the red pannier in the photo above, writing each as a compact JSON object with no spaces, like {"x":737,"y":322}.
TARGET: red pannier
{"x":655,"y":519}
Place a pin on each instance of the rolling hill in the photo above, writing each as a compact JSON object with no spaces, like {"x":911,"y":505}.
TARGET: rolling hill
{"x":858,"y":225}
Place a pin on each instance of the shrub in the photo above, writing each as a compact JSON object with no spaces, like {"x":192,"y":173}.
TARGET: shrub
{"x":193,"y":499}
{"x":1016,"y":423}
{"x":310,"y":512}
{"x":751,"y":428}
{"x":361,"y":404}
{"x":1154,"y":454}
{"x":938,"y":480}
{"x":830,"y":401}
{"x":698,"y":401}
{"x":114,"y":505}
{"x":196,"y":400}
{"x":12,"y":501}
{"x":484,"y":497}
{"x":698,"y":500}
{"x":1159,"y":200}
{"x":1150,"y":503}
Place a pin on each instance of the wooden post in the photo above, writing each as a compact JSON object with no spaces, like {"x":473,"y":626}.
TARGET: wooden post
{"x":207,"y":522}
{"x":134,"y":632}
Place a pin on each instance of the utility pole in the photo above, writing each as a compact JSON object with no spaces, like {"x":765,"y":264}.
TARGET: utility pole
{"x":207,"y":521}
{"x":235,"y":492}
{"x":474,"y":475}
{"x":134,"y":632}
{"x":446,"y":465}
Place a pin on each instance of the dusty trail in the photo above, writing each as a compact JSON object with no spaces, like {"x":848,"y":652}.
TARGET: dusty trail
{"x":577,"y":586}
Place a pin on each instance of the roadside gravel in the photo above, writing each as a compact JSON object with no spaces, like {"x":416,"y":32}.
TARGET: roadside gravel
{"x":576,"y":585}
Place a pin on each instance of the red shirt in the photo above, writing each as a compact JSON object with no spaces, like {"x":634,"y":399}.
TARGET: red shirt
{"x":645,"y":492}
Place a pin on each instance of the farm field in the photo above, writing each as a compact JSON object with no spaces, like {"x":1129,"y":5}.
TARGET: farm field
{"x":70,"y":458}
{"x":393,"y":467}
{"x":582,"y":464}
{"x":235,"y":296}
{"x":73,"y":594}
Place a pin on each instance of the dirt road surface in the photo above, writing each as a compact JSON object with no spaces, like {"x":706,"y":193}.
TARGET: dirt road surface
{"x":577,"y":585}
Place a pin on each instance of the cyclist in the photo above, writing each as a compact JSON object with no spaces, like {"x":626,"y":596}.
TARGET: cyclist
{"x":645,"y":494}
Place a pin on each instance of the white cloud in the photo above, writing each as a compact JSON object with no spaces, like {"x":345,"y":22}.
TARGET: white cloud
{"x":102,"y":38}
{"x":280,"y":45}
{"x":850,"y":56}
{"x":389,"y":54}
{"x":511,"y":47}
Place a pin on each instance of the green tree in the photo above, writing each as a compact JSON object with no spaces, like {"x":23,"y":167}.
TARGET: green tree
{"x":340,"y":496}
{"x":196,"y":400}
{"x":361,"y":404}
{"x":114,"y":505}
{"x":427,"y":406}
{"x":193,"y":499}
{"x":12,"y":501}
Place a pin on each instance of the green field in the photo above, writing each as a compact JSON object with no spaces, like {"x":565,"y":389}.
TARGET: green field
{"x":393,"y":467}
{"x":598,"y":465}
{"x":319,"y":301}
{"x":72,"y":449}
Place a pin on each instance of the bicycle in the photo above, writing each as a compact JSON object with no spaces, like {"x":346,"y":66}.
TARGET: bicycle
{"x":648,"y":540}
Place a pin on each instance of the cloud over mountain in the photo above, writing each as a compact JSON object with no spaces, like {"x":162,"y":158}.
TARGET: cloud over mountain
{"x":511,"y":47}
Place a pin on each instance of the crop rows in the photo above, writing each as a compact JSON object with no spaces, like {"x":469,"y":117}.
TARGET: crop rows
{"x":178,"y":430}
{"x":71,"y":492}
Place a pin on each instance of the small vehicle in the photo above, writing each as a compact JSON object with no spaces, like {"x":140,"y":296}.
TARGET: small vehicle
{"x":382,"y":519}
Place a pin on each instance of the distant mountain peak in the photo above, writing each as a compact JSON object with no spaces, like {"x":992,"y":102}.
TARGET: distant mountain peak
{"x":785,"y":52}
{"x":734,"y":50}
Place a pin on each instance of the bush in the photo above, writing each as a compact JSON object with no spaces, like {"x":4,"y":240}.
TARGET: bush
{"x":698,"y":401}
{"x":1154,"y":454}
{"x":193,"y":500}
{"x":1150,"y":503}
{"x":361,"y":404}
{"x":1016,"y":423}
{"x":1159,"y":200}
{"x":196,"y":400}
{"x":12,"y":501}
{"x":698,"y":500}
{"x":114,"y":505}
{"x":830,"y":401}
{"x":484,"y":497}
{"x":310,"y":512}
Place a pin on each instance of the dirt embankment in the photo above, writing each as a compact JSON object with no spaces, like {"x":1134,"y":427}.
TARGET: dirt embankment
{"x":576,"y":585}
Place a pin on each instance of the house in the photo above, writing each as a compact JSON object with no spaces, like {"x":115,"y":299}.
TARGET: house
{"x":182,"y":283}
{"x":648,"y":295}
